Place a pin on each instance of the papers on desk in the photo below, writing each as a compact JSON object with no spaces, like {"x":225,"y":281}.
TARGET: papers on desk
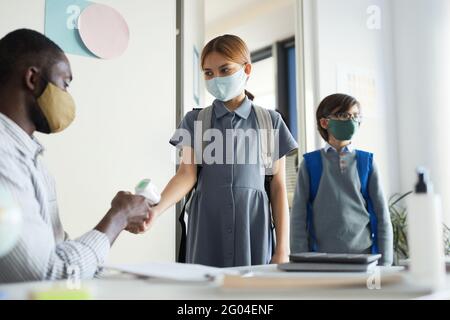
{"x":255,"y":277}
{"x":174,"y":271}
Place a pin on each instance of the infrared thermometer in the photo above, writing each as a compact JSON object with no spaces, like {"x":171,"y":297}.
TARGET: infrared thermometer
{"x":148,"y":190}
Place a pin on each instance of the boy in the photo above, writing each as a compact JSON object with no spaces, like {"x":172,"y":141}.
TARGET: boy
{"x":339,"y":205}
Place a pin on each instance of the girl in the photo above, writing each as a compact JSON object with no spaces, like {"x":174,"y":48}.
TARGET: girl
{"x":230,"y":219}
{"x":339,"y":205}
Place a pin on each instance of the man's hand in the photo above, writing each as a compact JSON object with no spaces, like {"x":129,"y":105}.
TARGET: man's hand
{"x":138,"y":226}
{"x":130,"y":207}
{"x":126,"y":208}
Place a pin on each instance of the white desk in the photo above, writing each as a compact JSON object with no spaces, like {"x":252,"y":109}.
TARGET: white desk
{"x":128,"y":287}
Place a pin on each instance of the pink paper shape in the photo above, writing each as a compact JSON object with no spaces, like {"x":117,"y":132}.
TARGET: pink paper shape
{"x":104,"y":31}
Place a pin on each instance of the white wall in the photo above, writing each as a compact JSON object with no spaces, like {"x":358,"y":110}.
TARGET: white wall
{"x":422,"y":49}
{"x":194,"y":36}
{"x":125,"y":117}
{"x":343,"y":44}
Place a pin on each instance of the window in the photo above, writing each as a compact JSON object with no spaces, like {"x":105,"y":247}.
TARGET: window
{"x":262,"y":83}
{"x":274,"y":85}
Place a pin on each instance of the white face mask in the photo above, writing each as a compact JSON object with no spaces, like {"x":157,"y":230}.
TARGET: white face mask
{"x":229,"y":87}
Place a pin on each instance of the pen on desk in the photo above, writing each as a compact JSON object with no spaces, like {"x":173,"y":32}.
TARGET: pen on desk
{"x":246,"y":273}
{"x":210,"y":277}
{"x":242,"y":273}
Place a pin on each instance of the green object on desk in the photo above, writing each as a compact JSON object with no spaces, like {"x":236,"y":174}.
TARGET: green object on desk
{"x":62,"y":294}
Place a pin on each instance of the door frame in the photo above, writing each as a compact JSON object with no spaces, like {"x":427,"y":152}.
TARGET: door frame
{"x":306,"y":45}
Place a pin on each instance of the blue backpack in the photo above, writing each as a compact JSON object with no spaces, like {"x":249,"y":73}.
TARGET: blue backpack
{"x":364,"y":162}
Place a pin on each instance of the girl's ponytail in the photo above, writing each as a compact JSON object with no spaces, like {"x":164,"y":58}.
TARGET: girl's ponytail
{"x":249,"y":95}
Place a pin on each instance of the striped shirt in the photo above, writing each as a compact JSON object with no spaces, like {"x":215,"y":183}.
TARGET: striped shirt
{"x":44,"y":251}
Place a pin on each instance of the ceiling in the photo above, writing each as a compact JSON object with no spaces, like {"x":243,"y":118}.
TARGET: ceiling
{"x":218,"y":9}
{"x":259,"y":22}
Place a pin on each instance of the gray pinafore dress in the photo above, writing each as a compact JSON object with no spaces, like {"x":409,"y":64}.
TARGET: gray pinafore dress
{"x":229,"y":215}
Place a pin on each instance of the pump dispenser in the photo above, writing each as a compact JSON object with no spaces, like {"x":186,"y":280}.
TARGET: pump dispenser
{"x":425,"y":235}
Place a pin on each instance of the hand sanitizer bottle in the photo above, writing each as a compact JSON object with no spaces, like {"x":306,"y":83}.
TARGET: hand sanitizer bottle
{"x":425,"y":235}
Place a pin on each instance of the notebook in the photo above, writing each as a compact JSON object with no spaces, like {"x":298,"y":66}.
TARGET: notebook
{"x":343,"y":258}
{"x":330,"y":262}
{"x":327,"y":267}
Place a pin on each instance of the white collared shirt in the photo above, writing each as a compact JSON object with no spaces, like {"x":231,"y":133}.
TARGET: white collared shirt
{"x":43,"y":251}
{"x":347,"y":149}
{"x":343,"y":163}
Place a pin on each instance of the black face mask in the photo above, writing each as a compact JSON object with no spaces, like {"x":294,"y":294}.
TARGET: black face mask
{"x":38,"y":118}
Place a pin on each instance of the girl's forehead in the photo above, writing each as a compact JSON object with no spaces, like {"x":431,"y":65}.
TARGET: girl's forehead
{"x":215,"y":60}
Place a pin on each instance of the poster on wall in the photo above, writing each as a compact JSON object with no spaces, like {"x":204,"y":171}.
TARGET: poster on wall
{"x":86,"y":28}
{"x":61,"y":25}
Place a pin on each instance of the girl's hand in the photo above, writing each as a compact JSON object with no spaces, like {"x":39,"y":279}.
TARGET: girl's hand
{"x":142,"y":226}
{"x":278,"y":258}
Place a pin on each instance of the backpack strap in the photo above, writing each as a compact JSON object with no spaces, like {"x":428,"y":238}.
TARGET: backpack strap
{"x":183,"y":240}
{"x":313,"y":162}
{"x":204,"y":118}
{"x":364,"y":162}
{"x":267,"y":145}
{"x":267,"y":137}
